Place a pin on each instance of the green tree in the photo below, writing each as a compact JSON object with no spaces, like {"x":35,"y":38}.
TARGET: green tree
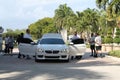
{"x":42,"y":26}
{"x":111,"y":7}
{"x":62,"y":16}
{"x":87,"y":20}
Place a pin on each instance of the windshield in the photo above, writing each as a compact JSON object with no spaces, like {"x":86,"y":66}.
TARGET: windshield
{"x":51,"y":41}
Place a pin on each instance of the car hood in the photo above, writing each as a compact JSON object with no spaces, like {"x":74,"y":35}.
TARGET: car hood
{"x":53,"y":47}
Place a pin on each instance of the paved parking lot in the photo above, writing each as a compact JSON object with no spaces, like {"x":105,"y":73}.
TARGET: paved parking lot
{"x":88,"y":68}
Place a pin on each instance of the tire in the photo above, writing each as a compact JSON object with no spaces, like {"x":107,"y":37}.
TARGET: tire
{"x":36,"y":60}
{"x":67,"y":60}
{"x":19,"y":55}
{"x":79,"y":57}
{"x":72,"y":57}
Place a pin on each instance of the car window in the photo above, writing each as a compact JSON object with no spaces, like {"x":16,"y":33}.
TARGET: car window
{"x":78,"y":41}
{"x":51,"y":41}
{"x":26,"y":40}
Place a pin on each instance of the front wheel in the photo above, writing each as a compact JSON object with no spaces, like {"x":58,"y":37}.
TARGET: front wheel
{"x":78,"y":57}
{"x":67,"y":60}
{"x":36,"y":60}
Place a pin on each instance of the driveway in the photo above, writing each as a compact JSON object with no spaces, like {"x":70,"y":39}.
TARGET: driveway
{"x":88,"y":68}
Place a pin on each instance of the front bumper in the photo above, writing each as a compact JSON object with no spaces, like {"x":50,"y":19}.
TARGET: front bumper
{"x":45,"y":56}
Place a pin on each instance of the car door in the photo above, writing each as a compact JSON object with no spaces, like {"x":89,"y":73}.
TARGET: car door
{"x":27,"y":49}
{"x":78,"y":47}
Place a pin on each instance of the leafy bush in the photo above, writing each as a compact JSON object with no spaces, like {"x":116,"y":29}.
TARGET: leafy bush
{"x":115,"y":53}
{"x":103,"y":41}
{"x":116,"y":40}
{"x":109,"y":33}
{"x":108,"y":39}
{"x":117,"y":33}
{"x":117,"y":37}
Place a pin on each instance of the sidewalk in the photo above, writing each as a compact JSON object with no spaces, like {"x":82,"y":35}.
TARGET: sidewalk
{"x":106,"y":55}
{"x":15,"y":50}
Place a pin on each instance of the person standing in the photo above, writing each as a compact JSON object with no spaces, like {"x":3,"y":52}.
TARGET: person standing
{"x":75,"y":36}
{"x":19,"y":38}
{"x":27,"y":35}
{"x":27,"y":38}
{"x":11,"y":44}
{"x":6,"y":44}
{"x":92,"y":44}
{"x":1,"y":42}
{"x":1,"y":39}
{"x":98,"y":44}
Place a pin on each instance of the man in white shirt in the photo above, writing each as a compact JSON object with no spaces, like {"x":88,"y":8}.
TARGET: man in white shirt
{"x":27,"y":35}
{"x":27,"y":38}
{"x":98,"y":43}
{"x":75,"y":36}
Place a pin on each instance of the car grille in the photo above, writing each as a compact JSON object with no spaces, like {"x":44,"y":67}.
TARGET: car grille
{"x":51,"y":56}
{"x":52,"y":51}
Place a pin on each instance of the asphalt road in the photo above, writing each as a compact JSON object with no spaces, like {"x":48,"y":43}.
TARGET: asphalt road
{"x":88,"y":68}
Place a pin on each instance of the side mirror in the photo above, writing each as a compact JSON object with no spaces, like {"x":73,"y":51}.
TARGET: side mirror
{"x":71,"y":43}
{"x":33,"y":43}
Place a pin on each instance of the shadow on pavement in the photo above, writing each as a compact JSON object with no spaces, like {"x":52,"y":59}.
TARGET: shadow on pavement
{"x":22,"y":69}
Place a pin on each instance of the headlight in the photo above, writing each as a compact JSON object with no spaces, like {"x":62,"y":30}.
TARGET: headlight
{"x":64,"y":51}
{"x":39,"y":50}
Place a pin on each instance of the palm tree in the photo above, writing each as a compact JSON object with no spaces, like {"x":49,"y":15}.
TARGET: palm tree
{"x":112,"y":7}
{"x":87,"y":21}
{"x":61,"y":16}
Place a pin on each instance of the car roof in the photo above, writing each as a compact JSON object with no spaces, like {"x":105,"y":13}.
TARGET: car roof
{"x":52,"y":35}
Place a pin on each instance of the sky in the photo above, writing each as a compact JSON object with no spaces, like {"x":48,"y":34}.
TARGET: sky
{"x":19,"y":14}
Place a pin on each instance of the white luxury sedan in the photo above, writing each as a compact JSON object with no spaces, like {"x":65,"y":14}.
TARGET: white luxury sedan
{"x":52,"y":47}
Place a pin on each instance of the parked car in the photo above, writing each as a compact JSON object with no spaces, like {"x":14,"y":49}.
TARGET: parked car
{"x":50,"y":47}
